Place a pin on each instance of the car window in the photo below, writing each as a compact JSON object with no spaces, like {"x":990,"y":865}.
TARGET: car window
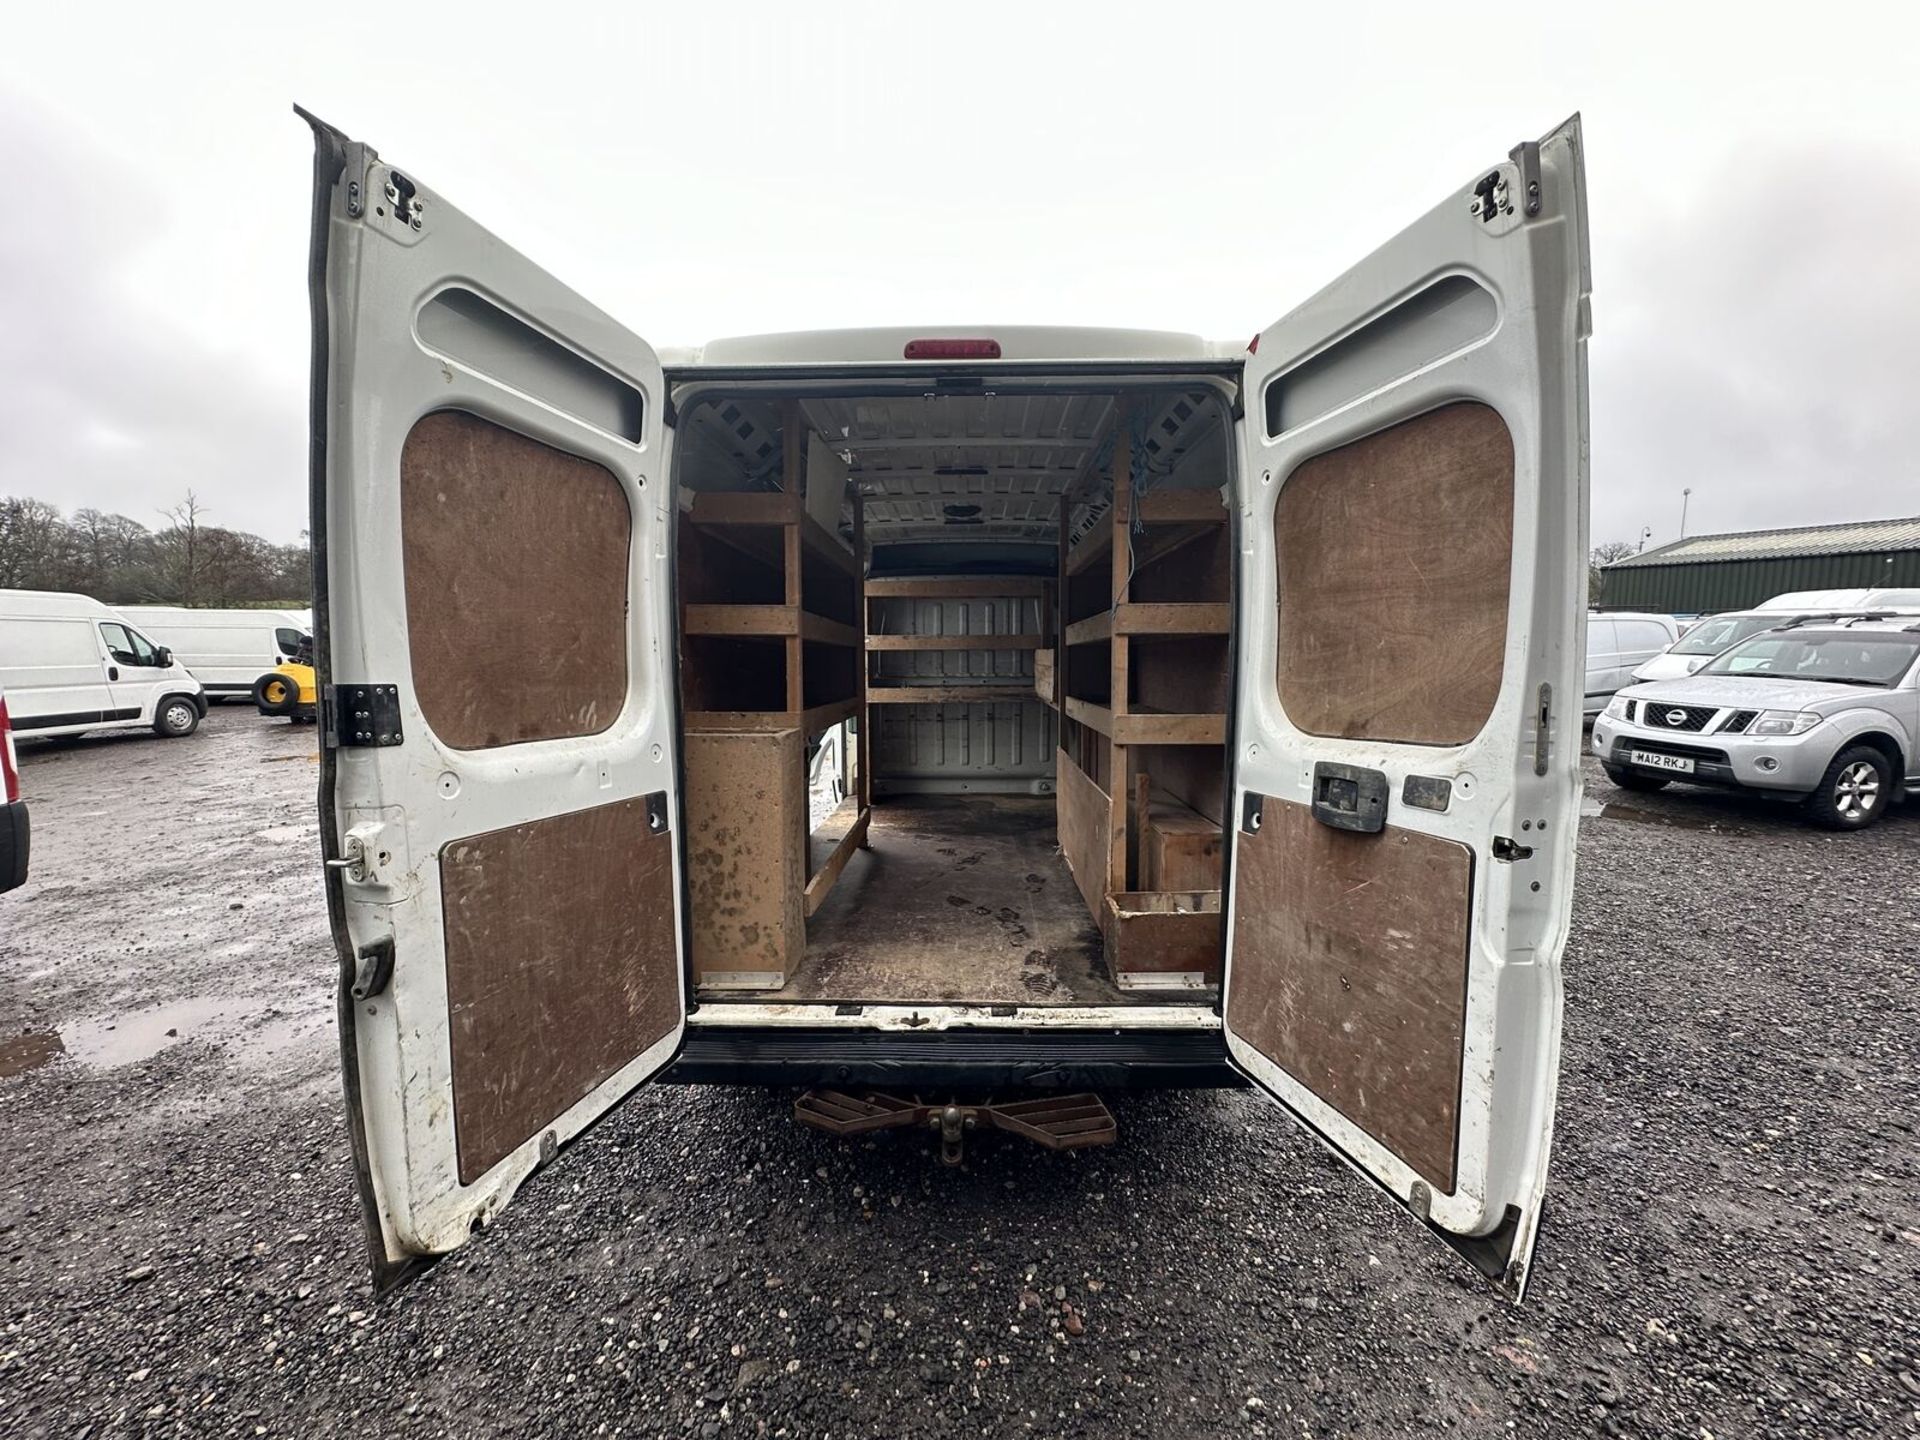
{"x":1645,"y":636}
{"x":1843,"y":657}
{"x":128,"y":647}
{"x":1717,"y":632}
{"x":288,"y":639}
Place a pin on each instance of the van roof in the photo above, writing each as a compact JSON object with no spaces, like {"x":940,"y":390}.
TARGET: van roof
{"x":886,"y":345}
{"x":50,"y":603}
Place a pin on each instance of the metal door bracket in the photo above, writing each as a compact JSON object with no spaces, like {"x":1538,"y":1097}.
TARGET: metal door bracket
{"x":362,"y":716}
{"x":1526,"y":155}
{"x":373,"y":968}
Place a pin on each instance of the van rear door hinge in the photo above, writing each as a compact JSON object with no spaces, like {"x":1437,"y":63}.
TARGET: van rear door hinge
{"x":362,"y":716}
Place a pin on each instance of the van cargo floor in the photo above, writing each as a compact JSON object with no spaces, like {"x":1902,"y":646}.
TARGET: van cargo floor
{"x":957,"y":898}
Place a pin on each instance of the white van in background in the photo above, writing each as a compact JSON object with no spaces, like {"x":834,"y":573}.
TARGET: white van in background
{"x":1805,"y":602}
{"x":1616,"y":643}
{"x":69,"y":664}
{"x":1707,"y":637}
{"x":227,"y":650}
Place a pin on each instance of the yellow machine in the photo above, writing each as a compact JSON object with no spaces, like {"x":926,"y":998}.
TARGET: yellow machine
{"x":287,"y":690}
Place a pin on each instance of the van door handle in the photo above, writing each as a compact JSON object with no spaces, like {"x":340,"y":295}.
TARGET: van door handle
{"x":113,"y":672}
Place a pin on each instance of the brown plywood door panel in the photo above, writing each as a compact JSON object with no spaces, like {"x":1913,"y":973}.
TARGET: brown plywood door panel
{"x":515,"y":561}
{"x":562,"y":966}
{"x":1395,"y":555}
{"x":746,"y":797}
{"x":1349,"y":972}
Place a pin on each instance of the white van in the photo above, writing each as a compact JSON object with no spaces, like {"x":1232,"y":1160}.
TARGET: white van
{"x":1216,"y":708}
{"x":70,"y":664}
{"x":1707,"y":637}
{"x":227,"y":650}
{"x":1617,"y":643}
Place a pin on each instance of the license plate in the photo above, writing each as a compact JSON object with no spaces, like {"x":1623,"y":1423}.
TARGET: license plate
{"x":1679,"y":764}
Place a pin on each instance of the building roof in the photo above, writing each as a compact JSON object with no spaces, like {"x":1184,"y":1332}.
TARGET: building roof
{"x":1859,"y":535}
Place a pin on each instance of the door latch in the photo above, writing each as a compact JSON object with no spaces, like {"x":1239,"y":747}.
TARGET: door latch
{"x":1348,"y":797}
{"x":363,"y":854}
{"x":1542,"y":728}
{"x":373,"y":968}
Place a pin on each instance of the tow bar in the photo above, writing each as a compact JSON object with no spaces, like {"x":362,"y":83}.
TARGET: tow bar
{"x":1059,"y":1122}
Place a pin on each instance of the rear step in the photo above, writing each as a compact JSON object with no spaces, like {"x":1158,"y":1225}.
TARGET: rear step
{"x":1059,"y":1122}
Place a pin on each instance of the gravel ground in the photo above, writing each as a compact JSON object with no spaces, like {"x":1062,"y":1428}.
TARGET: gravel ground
{"x":1732,"y":1246}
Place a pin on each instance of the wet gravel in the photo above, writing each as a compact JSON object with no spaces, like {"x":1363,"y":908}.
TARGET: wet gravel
{"x":1731,"y":1248}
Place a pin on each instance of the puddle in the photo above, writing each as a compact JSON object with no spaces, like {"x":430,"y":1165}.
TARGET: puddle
{"x":1674,"y":819}
{"x":108,"y":1042}
{"x":22,"y":1053}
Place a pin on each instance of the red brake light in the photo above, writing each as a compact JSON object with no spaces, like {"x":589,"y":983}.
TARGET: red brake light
{"x":9,"y":765}
{"x":953,"y":350}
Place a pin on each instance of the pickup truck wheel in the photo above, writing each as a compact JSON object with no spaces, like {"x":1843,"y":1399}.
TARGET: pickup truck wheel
{"x":177,"y":717}
{"x":276,"y":694}
{"x":1853,"y":793}
{"x":1635,"y":779}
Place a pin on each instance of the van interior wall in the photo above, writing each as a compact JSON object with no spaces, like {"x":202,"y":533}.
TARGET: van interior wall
{"x":910,"y":567}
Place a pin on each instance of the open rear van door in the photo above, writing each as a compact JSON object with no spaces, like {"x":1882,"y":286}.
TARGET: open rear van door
{"x":499,"y":786}
{"x":1412,"y":521}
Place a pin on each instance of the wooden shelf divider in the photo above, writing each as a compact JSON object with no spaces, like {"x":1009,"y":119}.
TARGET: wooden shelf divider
{"x":1153,"y":939}
{"x":775,"y":530}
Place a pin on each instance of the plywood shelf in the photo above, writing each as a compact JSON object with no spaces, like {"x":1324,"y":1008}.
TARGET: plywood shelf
{"x":728,"y":512}
{"x":945,"y":694}
{"x":1134,"y":618}
{"x":812,"y":721}
{"x":987,"y":588}
{"x":1148,"y":727}
{"x":953,"y":642}
{"x":1180,"y":517}
{"x":768,"y":621}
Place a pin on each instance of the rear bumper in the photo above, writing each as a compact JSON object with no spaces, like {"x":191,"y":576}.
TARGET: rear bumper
{"x":15,"y":840}
{"x":996,"y":1062}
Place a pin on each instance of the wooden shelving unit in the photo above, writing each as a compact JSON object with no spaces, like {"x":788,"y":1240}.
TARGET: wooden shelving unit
{"x":1139,"y":678}
{"x":950,"y":691}
{"x":771,"y":640}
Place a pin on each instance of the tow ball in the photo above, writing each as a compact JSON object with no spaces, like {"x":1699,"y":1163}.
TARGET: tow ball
{"x":1059,"y":1122}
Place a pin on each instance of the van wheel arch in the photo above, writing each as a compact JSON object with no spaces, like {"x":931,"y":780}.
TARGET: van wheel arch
{"x":176,"y":729}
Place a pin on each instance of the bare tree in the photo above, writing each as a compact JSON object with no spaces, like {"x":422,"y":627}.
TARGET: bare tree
{"x":33,"y":544}
{"x":182,"y":555}
{"x":118,"y":560}
{"x":1604,"y":554}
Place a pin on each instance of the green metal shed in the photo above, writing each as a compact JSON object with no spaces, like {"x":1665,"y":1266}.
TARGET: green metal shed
{"x":1708,"y":573}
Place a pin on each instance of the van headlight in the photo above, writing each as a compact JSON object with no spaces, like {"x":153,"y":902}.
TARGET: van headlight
{"x":1617,"y":708}
{"x":1783,"y":722}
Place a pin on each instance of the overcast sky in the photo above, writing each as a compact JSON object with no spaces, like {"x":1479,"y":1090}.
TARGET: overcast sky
{"x":1754,"y":182}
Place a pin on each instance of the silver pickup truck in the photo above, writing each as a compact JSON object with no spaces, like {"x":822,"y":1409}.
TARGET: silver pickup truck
{"x":1826,"y":710}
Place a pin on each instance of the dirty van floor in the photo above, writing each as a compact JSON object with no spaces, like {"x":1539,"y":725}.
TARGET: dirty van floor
{"x":1731,"y":1248}
{"x":955,"y":898}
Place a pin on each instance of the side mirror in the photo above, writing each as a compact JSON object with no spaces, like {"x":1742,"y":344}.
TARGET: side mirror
{"x":163,"y":657}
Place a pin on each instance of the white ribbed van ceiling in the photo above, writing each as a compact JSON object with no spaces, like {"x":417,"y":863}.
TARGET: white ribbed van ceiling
{"x":947,"y":468}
